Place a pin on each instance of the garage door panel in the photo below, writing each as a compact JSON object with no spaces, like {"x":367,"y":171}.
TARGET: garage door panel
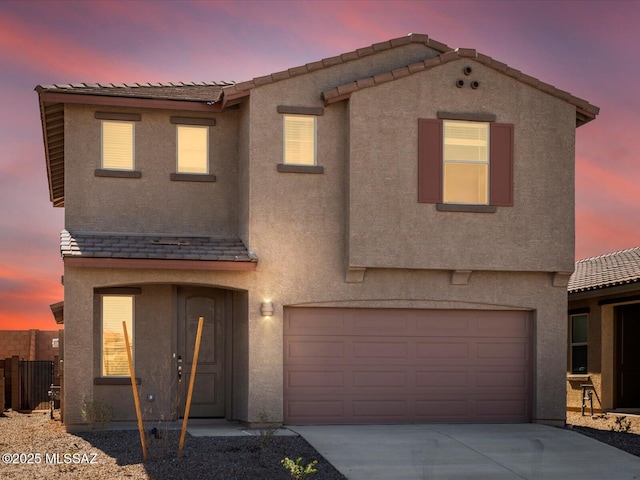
{"x":518,"y":352}
{"x":444,"y":410}
{"x":502,"y":380}
{"x":447,"y":350}
{"x":411,"y":366}
{"x":310,"y":379}
{"x":387,"y":349}
{"x":320,"y":409}
{"x":378,"y":323}
{"x":379,"y":380}
{"x":315,"y":349}
{"x":504,"y":408}
{"x":438,"y":380}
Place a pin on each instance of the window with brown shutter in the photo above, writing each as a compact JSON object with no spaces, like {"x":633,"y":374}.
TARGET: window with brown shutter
{"x":431,"y":159}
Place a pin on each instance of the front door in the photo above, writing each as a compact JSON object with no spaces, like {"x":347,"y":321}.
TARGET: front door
{"x":208,"y":390}
{"x":628,"y":356}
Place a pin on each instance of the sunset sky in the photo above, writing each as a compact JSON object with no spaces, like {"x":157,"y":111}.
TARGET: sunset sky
{"x":589,"y":48}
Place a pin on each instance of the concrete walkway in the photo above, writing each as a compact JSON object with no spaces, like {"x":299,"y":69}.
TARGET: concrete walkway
{"x":456,"y":452}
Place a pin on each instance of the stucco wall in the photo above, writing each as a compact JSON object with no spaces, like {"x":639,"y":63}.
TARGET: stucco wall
{"x":389,"y":228}
{"x":152,"y":203}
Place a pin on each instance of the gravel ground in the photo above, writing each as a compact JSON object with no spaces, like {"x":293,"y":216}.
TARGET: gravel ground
{"x":55,"y":454}
{"x":610,"y":429}
{"x":49,"y":452}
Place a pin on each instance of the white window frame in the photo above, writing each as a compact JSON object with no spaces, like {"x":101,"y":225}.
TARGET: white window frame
{"x":462,"y":161}
{"x":573,"y":344}
{"x":103,"y":140}
{"x":206,"y":147}
{"x":130,"y":331}
{"x":285,"y":153}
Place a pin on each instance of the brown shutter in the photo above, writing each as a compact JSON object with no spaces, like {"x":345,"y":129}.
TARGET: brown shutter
{"x":501,"y":165}
{"x":429,"y":161}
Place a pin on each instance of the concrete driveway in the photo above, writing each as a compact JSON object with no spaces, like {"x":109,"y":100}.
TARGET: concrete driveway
{"x":448,"y":452}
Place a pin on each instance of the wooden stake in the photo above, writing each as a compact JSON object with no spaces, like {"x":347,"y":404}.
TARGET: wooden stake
{"x":134,"y":386}
{"x":191,"y":380}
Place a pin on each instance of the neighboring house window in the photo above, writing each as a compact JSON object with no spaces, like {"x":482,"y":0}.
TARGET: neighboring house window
{"x":115,"y":310}
{"x":117,"y":145}
{"x":299,"y":140}
{"x":193,"y":149}
{"x":579,"y":324}
{"x":465,"y":162}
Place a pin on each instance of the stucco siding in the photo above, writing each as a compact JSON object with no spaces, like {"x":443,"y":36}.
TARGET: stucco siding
{"x":389,"y":228}
{"x":153,"y":203}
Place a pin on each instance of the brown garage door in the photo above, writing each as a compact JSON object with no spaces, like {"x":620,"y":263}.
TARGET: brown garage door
{"x":346,"y":365}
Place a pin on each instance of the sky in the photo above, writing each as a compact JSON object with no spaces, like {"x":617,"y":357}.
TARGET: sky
{"x":588,"y":48}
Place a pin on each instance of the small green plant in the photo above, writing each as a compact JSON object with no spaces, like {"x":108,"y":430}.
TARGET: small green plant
{"x":297,"y":470}
{"x":268,"y":429}
{"x":622,"y":425}
{"x":96,"y":413}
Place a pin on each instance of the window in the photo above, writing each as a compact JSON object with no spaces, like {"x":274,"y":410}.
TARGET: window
{"x":117,"y":145}
{"x":299,"y":140}
{"x":193,"y":149}
{"x":465,"y":162}
{"x":579,"y":324}
{"x":115,"y":310}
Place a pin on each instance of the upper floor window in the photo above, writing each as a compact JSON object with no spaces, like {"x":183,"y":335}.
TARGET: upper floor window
{"x":466,"y":161}
{"x":115,"y":310}
{"x":193,"y":149}
{"x":117,"y":145}
{"x":299,"y":140}
{"x":579,"y":324}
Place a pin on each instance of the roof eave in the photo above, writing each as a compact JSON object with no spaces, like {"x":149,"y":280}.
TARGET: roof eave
{"x":604,"y":289}
{"x":135,"y":102}
{"x":585,"y":112}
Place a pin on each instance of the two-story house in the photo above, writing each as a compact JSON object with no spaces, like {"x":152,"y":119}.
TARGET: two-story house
{"x":381,"y":236}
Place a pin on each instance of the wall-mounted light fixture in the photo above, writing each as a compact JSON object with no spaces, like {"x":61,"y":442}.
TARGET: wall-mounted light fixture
{"x":266,"y":309}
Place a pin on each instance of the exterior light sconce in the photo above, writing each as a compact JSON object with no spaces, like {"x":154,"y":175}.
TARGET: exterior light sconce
{"x":266,"y":309}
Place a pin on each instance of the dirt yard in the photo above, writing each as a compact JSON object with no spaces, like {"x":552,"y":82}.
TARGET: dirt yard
{"x":35,"y":447}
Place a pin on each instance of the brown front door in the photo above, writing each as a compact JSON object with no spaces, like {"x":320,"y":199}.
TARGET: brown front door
{"x":208,"y":392}
{"x":628,"y":356}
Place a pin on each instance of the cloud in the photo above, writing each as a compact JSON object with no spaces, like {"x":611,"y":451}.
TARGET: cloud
{"x":598,"y":234}
{"x":37,"y":49}
{"x":25,"y":299}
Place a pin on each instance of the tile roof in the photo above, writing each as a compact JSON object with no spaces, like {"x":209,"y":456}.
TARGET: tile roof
{"x":241,"y":87}
{"x":607,"y":270}
{"x":585,"y":111}
{"x":156,"y":247}
{"x":182,"y":91}
{"x":213,"y":92}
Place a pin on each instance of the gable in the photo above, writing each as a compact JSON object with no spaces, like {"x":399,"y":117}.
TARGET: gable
{"x":585,"y":112}
{"x":516,"y":230}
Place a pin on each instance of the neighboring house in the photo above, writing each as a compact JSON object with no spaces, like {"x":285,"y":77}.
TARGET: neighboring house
{"x":28,"y":366}
{"x":604,"y":328}
{"x":381,"y":236}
